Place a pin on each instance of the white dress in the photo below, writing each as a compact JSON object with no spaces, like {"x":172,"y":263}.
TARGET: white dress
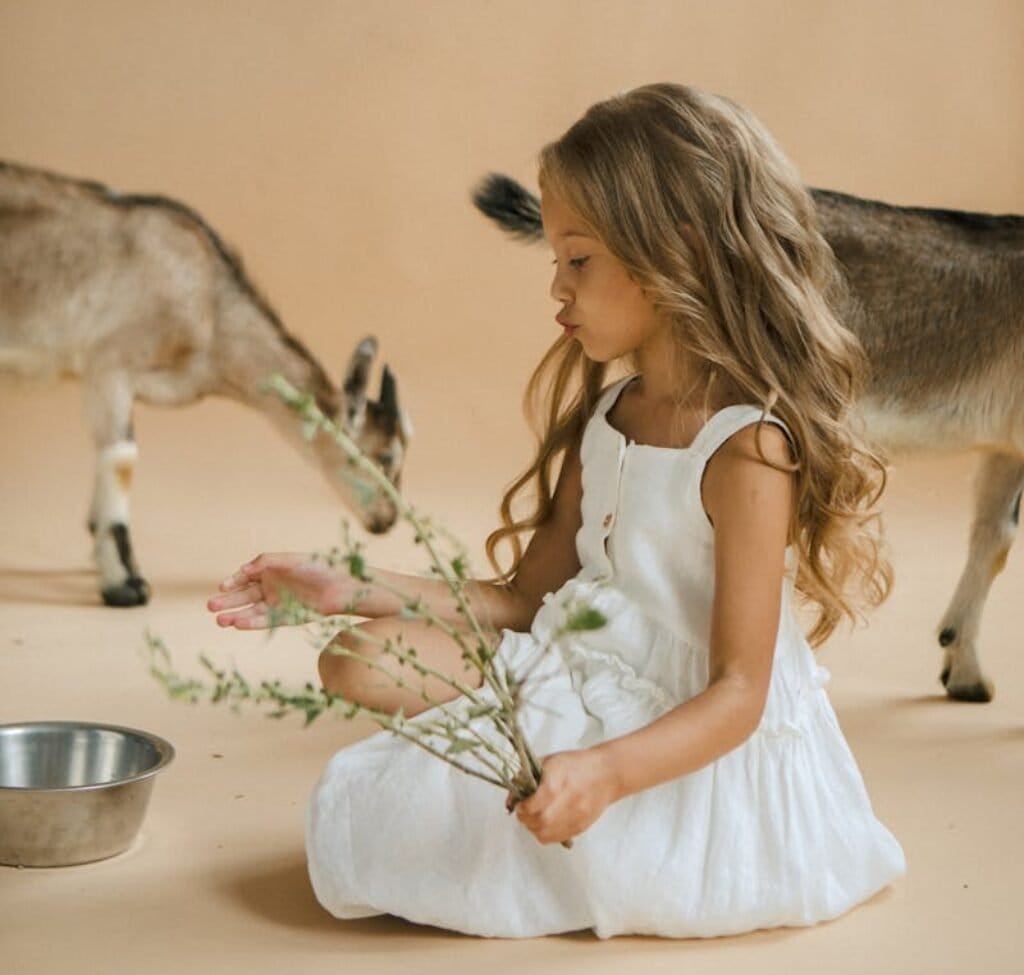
{"x":779,"y":831}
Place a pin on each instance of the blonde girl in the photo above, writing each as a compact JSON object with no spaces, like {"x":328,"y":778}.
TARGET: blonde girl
{"x":691,"y":750}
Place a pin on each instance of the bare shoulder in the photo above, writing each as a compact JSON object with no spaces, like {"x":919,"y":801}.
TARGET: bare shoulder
{"x":762,"y":443}
{"x":752,"y":469}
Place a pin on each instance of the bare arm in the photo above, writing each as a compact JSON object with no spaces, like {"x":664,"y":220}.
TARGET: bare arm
{"x":246,"y":596}
{"x":749,"y":503}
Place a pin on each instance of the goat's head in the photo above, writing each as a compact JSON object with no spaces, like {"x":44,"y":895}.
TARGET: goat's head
{"x":381,"y":429}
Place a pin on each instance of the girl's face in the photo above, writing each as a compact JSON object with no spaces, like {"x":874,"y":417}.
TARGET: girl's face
{"x":602,"y":306}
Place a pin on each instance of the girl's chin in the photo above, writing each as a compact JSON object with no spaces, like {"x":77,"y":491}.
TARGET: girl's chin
{"x":597,"y":355}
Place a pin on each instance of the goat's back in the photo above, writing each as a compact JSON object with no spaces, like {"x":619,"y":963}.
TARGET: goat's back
{"x":81,"y":266}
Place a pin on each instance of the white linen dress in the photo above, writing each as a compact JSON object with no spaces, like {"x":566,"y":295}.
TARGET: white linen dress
{"x":778,"y":831}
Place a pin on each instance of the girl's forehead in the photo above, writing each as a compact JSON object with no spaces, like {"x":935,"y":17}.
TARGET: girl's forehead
{"x":560,"y":220}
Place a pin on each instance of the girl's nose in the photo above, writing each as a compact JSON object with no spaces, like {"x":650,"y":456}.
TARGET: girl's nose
{"x":560,"y":290}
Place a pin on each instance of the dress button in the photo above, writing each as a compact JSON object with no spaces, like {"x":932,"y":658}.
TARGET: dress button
{"x":607,"y":521}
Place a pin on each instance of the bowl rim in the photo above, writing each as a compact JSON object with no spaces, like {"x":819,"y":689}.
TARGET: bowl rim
{"x":163,"y":747}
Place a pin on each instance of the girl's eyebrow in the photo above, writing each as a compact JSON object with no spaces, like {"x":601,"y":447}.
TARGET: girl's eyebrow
{"x":571,"y":233}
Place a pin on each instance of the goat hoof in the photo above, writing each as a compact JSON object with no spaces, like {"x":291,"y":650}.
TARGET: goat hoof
{"x":980,"y":692}
{"x":134,"y":591}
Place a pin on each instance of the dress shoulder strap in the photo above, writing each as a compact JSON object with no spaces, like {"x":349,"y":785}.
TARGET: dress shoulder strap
{"x":610,"y":395}
{"x":727,"y":421}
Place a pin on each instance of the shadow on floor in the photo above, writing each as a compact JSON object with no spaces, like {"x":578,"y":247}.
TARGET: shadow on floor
{"x":80,"y":587}
{"x":279,"y":892}
{"x":49,"y":587}
{"x":934,"y":720}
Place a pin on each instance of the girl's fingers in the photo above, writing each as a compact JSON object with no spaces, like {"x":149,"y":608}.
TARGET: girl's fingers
{"x":543,"y":818}
{"x":550,"y":829}
{"x":247,"y":572}
{"x":235,"y":581}
{"x":253,"y":569}
{"x":228,"y":619}
{"x":247,"y":619}
{"x":235,"y":598}
{"x":530,"y":816}
{"x":536,"y":803}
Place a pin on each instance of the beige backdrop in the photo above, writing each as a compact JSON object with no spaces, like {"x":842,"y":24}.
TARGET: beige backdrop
{"x":335,"y":145}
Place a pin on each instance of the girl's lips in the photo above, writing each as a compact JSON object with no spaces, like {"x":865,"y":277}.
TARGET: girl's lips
{"x":570,"y":329}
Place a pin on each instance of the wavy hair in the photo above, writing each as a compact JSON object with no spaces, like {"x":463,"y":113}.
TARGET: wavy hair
{"x":696,"y":200}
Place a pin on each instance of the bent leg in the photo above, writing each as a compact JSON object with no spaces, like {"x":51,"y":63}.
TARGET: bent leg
{"x":380,"y":681}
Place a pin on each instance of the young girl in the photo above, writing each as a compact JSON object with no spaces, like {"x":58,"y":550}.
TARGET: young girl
{"x":691,"y":751}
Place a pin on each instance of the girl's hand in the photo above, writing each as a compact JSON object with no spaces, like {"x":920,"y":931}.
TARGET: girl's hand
{"x":575,"y":788}
{"x":246,"y":598}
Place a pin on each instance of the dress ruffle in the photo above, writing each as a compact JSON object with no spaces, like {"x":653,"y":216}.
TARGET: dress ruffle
{"x":623,"y":700}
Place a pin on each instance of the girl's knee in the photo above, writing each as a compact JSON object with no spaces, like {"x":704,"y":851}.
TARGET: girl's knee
{"x":339,"y":673}
{"x":358,"y":666}
{"x":329,"y":670}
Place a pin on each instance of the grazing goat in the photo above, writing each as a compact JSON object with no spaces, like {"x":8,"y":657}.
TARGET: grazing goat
{"x":140,"y":299}
{"x":937,"y":299}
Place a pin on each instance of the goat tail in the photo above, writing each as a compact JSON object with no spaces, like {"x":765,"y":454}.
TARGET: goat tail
{"x":510,"y":205}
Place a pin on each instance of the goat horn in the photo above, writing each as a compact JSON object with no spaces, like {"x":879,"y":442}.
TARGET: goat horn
{"x":388,"y":393}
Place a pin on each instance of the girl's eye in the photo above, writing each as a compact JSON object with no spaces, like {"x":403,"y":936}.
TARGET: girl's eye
{"x":575,"y":263}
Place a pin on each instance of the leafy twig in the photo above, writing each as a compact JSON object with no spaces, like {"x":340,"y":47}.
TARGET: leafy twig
{"x":504,"y":759}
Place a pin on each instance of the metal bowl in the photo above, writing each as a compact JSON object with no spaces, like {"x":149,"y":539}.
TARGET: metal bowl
{"x":73,"y":792}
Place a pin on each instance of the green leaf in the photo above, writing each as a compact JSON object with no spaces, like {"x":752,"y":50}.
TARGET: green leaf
{"x":366,"y":492}
{"x":460,"y":745}
{"x":479,"y":710}
{"x":585,"y":619}
{"x":357,"y":566}
{"x":411,"y":611}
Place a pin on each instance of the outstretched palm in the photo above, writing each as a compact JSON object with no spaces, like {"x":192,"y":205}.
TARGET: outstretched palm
{"x":248,"y":598}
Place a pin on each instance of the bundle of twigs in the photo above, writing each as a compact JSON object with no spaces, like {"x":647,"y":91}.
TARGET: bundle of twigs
{"x":479,"y":732}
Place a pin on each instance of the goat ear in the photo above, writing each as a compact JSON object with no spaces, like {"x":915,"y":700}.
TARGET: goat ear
{"x":357,"y":376}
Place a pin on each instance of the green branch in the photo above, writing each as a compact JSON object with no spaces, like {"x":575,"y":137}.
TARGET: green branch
{"x":505,"y":758}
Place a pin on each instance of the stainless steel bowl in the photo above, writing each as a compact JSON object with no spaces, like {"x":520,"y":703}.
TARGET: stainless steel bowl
{"x":72,"y":792}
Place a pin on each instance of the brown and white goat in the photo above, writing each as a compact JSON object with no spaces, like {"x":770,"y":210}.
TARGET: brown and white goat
{"x":937,"y":298}
{"x":141,"y":300}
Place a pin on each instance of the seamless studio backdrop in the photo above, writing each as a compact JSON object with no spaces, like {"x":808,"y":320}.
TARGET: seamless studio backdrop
{"x":334,"y":145}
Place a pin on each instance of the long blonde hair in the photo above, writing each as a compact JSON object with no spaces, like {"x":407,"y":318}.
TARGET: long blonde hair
{"x":696,"y":200}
